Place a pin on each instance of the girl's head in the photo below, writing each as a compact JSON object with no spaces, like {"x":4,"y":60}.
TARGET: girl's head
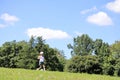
{"x":41,"y":53}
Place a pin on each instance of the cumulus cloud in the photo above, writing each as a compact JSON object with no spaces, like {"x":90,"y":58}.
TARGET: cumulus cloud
{"x":114,"y":6}
{"x":89,"y":10}
{"x":101,"y":18}
{"x":47,"y":33}
{"x":8,"y":19}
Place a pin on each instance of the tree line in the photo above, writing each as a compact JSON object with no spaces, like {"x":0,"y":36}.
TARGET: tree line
{"x":88,"y":56}
{"x":94,"y":56}
{"x":24,"y":54}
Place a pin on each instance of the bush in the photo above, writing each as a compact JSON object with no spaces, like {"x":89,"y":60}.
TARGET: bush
{"x":84,"y":64}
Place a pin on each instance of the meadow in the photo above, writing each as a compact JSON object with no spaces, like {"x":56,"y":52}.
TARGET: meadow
{"x":23,"y":74}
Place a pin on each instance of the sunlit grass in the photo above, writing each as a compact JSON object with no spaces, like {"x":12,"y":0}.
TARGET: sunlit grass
{"x":23,"y":74}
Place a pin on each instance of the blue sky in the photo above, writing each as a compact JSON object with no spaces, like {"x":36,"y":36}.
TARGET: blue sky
{"x":59,"y":21}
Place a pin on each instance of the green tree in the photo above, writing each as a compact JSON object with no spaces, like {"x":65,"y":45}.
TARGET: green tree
{"x":115,"y":49}
{"x":39,"y":44}
{"x":7,"y":54}
{"x":82,"y":45}
{"x":101,"y":48}
{"x":115,"y":56}
{"x":61,"y":57}
{"x":52,"y":62}
{"x":84,"y":64}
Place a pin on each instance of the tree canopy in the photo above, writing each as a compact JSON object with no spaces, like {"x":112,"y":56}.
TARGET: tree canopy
{"x":24,"y":54}
{"x":94,"y":56}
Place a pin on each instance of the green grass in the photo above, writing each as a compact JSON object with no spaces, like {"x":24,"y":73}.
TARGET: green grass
{"x":23,"y":74}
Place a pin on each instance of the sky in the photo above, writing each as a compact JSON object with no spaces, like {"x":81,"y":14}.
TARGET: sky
{"x":59,"y":21}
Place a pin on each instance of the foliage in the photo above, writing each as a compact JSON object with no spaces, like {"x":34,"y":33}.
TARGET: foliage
{"x":94,"y":57}
{"x":24,"y":54}
{"x":82,"y":45}
{"x":85,"y":64}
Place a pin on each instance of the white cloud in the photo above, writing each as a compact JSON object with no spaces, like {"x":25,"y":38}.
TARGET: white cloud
{"x":101,"y":18}
{"x":89,"y":10}
{"x":47,"y":33}
{"x":114,"y":6}
{"x":8,"y":19}
{"x":2,"y":25}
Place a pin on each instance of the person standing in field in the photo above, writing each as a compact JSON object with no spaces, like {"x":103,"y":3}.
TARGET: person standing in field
{"x":41,"y":61}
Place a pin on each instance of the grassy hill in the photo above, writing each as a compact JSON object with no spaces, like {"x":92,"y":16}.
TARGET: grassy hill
{"x":23,"y":74}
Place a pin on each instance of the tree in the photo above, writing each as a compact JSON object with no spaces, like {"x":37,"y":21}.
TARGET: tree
{"x":115,"y":56}
{"x":82,"y":45}
{"x":101,"y":48}
{"x":84,"y":64}
{"x":25,"y":58}
{"x":115,"y":49}
{"x":52,"y":62}
{"x":39,"y":44}
{"x":7,"y":54}
{"x":61,"y":57}
{"x":24,"y":54}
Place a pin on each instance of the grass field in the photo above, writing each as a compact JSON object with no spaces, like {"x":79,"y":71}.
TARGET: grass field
{"x":23,"y":74}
